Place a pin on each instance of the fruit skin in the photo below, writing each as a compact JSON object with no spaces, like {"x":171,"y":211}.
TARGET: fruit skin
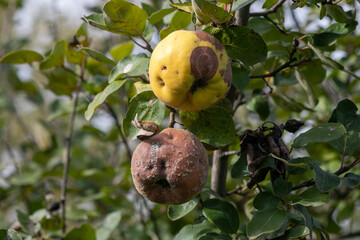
{"x":190,"y":70}
{"x":170,"y":167}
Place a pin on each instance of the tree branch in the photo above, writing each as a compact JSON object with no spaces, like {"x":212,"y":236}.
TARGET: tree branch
{"x":67,"y":152}
{"x":342,"y":170}
{"x":118,"y":126}
{"x":172,"y":117}
{"x":288,"y":64}
{"x":269,"y":11}
{"x":219,"y":172}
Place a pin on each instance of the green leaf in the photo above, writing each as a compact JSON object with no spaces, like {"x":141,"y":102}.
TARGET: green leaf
{"x":133,"y":65}
{"x":97,"y":55}
{"x":61,"y":82}
{"x":309,"y":220}
{"x":351,"y":180}
{"x":311,"y":163}
{"x":53,"y":223}
{"x":239,"y":41}
{"x":213,"y":126}
{"x":109,"y":224}
{"x":56,"y":57}
{"x":297,"y":232}
{"x":326,"y":132}
{"x":160,"y":14}
{"x":281,"y":187}
{"x":148,"y":108}
{"x":335,"y":31}
{"x":346,"y":114}
{"x":337,"y":13}
{"x":194,"y":231}
{"x":215,"y":236}
{"x":325,"y":181}
{"x":223,"y":214}
{"x":207,"y":12}
{"x":101,"y":97}
{"x":124,"y":18}
{"x":240,"y":4}
{"x":311,"y":197}
{"x":265,"y":200}
{"x":326,"y":60}
{"x":176,"y":212}
{"x":240,"y":76}
{"x":121,"y":50}
{"x":259,"y":105}
{"x":239,"y":168}
{"x":266,"y":221}
{"x":186,"y":7}
{"x":85,"y":232}
{"x":96,"y":20}
{"x":287,"y":103}
{"x":269,"y":3}
{"x":21,"y":56}
{"x":314,"y":73}
{"x":300,"y":76}
{"x":25,"y":221}
{"x":180,"y":21}
{"x":9,"y":234}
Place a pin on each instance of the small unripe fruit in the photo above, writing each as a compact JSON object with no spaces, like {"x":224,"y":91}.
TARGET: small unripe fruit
{"x":170,"y":167}
{"x":190,"y":70}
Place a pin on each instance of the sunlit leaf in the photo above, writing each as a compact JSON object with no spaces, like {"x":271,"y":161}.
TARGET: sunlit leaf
{"x":21,"y":56}
{"x":160,"y":14}
{"x":187,"y":6}
{"x":124,"y":18}
{"x":213,"y":126}
{"x":96,"y":20}
{"x":56,"y":57}
{"x":132,"y":65}
{"x":312,"y":99}
{"x":101,"y":97}
{"x":207,"y":12}
{"x":121,"y":50}
{"x":239,"y":41}
{"x":148,"y":108}
{"x":180,"y":21}
{"x":97,"y":55}
{"x":176,"y":212}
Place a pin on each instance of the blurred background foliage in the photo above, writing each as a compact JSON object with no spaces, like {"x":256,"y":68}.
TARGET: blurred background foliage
{"x":36,"y":103}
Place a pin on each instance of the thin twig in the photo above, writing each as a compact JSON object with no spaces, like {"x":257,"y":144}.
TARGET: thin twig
{"x":273,"y":9}
{"x":342,"y":170}
{"x":276,"y":25}
{"x":288,"y":64}
{"x":229,"y":153}
{"x":153,"y":220}
{"x":67,"y":156}
{"x":123,"y":138}
{"x":172,"y":117}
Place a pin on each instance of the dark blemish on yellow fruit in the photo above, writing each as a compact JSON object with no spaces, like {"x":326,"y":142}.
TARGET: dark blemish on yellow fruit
{"x":228,"y":74}
{"x":164,"y":68}
{"x":204,"y":36}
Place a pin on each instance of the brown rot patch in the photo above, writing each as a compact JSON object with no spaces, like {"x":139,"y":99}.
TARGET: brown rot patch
{"x":163,"y":183}
{"x":204,"y":36}
{"x":228,"y":74}
{"x":204,"y":64}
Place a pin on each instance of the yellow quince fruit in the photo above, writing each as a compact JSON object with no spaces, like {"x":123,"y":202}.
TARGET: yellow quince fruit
{"x":190,"y":70}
